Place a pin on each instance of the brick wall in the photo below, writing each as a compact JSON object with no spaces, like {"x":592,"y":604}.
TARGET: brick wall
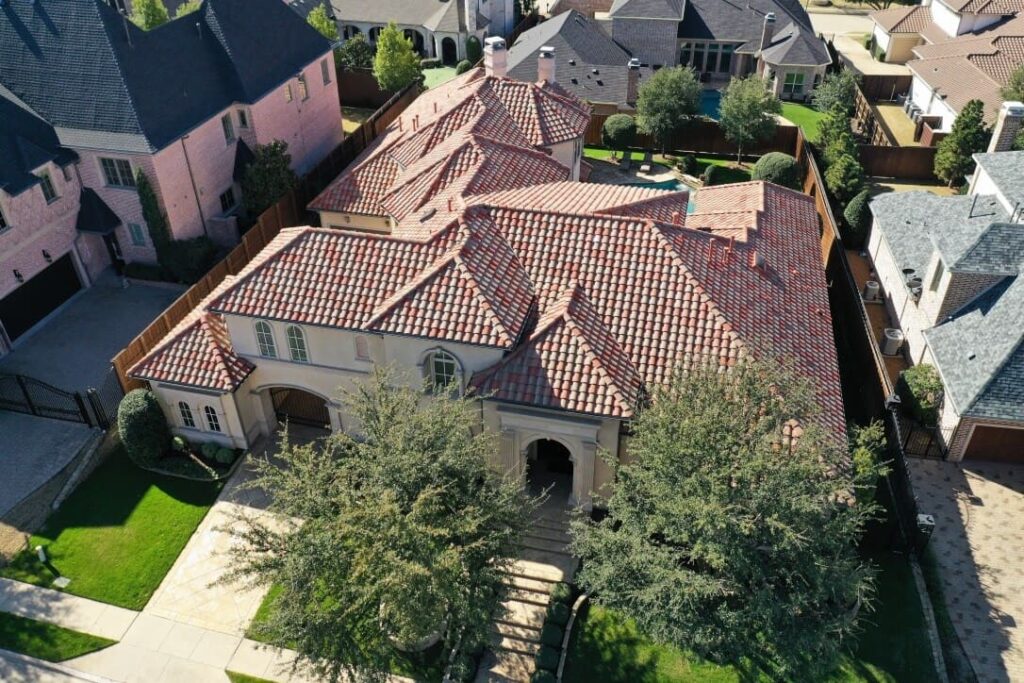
{"x":653,"y":41}
{"x":122,"y":201}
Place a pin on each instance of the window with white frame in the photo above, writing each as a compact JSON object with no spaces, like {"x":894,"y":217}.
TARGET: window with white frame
{"x":229,"y":128}
{"x":325,"y":71}
{"x":46,"y":183}
{"x":138,"y":234}
{"x":243,"y":119}
{"x":303,"y":90}
{"x":227,"y":200}
{"x":212,"y":421}
{"x":793,"y":84}
{"x":288,"y":93}
{"x":265,"y":340}
{"x":441,"y":369}
{"x":297,"y":344}
{"x":187,"y":420}
{"x":362,"y":348}
{"x":117,"y":172}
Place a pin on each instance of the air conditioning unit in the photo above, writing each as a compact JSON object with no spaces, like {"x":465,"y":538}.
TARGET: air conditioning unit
{"x":871,"y":290}
{"x":892,"y":341}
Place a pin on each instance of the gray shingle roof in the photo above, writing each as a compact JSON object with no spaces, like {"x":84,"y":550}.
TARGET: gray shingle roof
{"x":1007,"y":171}
{"x":436,"y":15}
{"x":94,"y":215}
{"x":26,"y":143}
{"x":998,"y":251}
{"x":649,"y":9}
{"x":81,"y":67}
{"x":580,"y":47}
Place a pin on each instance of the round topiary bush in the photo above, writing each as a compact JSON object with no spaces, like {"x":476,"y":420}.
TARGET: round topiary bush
{"x":713,"y":175}
{"x":551,"y":635}
{"x":542,"y":676}
{"x":209,"y":450}
{"x":778,"y":168}
{"x":143,"y":427}
{"x":473,"y":50}
{"x":562,"y":592}
{"x":619,"y":132}
{"x":225,"y":455}
{"x":558,"y":613}
{"x":858,"y":219}
{"x":547,"y":657}
{"x":462,"y":67}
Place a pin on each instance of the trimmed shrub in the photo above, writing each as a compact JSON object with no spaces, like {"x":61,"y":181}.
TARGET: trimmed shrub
{"x":920,"y":391}
{"x":713,"y":175}
{"x":619,"y":132}
{"x":858,"y":219}
{"x":542,"y":676}
{"x":551,"y":635}
{"x":180,"y":445}
{"x":844,"y":178}
{"x":558,"y":613}
{"x":209,"y":450}
{"x":188,"y":261}
{"x":687,"y":164}
{"x":225,"y":455}
{"x":143,"y":427}
{"x":430,"y":63}
{"x":562,"y":592}
{"x":462,"y":67}
{"x":464,"y":667}
{"x":547,"y":658}
{"x":778,"y":168}
{"x":473,"y":50}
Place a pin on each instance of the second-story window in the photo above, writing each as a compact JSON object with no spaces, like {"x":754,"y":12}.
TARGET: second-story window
{"x":297,"y":344}
{"x":362,"y":349}
{"x":227,"y":200}
{"x":243,"y":119}
{"x":303,"y":90}
{"x":186,"y":415}
{"x":117,"y":172}
{"x":3,"y":221}
{"x":212,"y":421}
{"x":265,"y":340}
{"x":46,"y":183}
{"x":325,"y":71}
{"x":229,"y":128}
{"x":138,"y":234}
{"x":288,"y":93}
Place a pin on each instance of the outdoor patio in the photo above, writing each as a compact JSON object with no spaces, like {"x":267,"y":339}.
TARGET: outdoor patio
{"x":609,"y":172}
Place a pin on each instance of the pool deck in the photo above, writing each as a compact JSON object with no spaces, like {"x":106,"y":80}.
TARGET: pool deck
{"x":608,"y":172}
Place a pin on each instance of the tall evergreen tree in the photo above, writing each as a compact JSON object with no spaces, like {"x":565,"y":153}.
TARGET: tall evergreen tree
{"x":953,"y":160}
{"x":748,"y":112}
{"x":354,"y":53}
{"x":319,"y":19}
{"x":267,"y":177}
{"x":148,"y":14}
{"x":396,"y":63}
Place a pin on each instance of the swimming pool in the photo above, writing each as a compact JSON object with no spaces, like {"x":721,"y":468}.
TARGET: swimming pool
{"x":710,"y":101}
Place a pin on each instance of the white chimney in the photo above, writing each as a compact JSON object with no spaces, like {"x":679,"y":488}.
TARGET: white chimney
{"x":1008,"y":125}
{"x":768,"y":31}
{"x":495,"y":57}
{"x":546,"y":64}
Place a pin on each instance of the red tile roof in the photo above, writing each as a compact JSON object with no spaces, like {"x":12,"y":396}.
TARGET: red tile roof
{"x":569,"y":197}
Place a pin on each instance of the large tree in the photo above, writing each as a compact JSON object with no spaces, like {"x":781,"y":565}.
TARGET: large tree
{"x":395,"y":535}
{"x":667,"y":102}
{"x":1013,"y":91}
{"x":748,"y":112}
{"x":319,"y":19}
{"x":836,"y":90}
{"x":148,"y":14}
{"x":354,"y":53}
{"x":954,"y":158}
{"x":725,"y":537}
{"x":396,"y":63}
{"x":267,"y":177}
{"x":619,"y":132}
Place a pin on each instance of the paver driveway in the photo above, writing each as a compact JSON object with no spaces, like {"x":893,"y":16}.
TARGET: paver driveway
{"x":979,"y":545}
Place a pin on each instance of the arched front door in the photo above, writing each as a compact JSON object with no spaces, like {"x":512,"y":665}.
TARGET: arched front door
{"x":549,"y":468}
{"x":449,"y":53}
{"x":295,"y":406}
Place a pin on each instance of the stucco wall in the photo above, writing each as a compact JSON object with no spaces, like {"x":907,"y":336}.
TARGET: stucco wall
{"x":946,"y":18}
{"x":922,"y":95}
{"x":224,"y":405}
{"x":900,"y":48}
{"x":355,"y":221}
{"x":896,"y":296}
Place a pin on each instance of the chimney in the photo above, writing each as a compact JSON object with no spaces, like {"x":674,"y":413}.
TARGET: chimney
{"x":632,"y":80}
{"x":546,"y":64}
{"x":495,"y":57}
{"x":768,"y":31}
{"x":1008,"y":125}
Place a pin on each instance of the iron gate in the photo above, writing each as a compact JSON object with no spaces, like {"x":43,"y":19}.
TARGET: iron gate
{"x":23,"y":394}
{"x":300,"y":407}
{"x":105,"y":399}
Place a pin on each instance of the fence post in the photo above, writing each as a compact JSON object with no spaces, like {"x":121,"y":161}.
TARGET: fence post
{"x":27,"y":395}
{"x":82,"y":409}
{"x":102,"y":421}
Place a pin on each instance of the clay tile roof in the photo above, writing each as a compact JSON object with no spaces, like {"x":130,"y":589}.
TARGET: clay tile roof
{"x":904,"y":19}
{"x":571,"y":362}
{"x":197,"y":353}
{"x":584,"y":198}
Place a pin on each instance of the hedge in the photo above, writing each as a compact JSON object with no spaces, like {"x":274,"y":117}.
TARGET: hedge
{"x":143,"y":427}
{"x":778,"y":168}
{"x":920,"y":391}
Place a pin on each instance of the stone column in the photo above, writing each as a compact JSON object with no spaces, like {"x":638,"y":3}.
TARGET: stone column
{"x":583,"y":476}
{"x":261,"y":413}
{"x":511,"y":460}
{"x":333,"y":409}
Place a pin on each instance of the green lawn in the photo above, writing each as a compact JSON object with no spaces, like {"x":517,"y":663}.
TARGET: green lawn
{"x":245,"y":678}
{"x":353,"y":117}
{"x":806,"y":117}
{"x":732,"y":173}
{"x":893,"y":647}
{"x":118,"y":534}
{"x":46,"y":641}
{"x":435,"y":77}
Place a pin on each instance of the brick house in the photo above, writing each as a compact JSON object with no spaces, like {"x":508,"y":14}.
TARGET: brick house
{"x":950,"y":271}
{"x":184,"y":103}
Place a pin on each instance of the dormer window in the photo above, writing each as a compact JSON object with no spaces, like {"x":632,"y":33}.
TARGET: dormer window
{"x":441,"y":370}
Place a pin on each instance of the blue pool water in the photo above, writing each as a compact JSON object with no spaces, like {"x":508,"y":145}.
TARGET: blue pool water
{"x":710,"y":100}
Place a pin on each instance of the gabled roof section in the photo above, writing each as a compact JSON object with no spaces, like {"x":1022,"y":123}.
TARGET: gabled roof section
{"x":998,"y":251}
{"x":634,"y":201}
{"x":903,"y":18}
{"x":796,"y":45}
{"x":648,"y":9}
{"x":26,"y":143}
{"x":1004,"y":168}
{"x":571,"y":362}
{"x":94,"y":215}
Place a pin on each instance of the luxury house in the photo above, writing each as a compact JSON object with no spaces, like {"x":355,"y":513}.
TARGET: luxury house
{"x":604,"y":55}
{"x":950,"y":269}
{"x":489,"y":268}
{"x":88,"y":100}
{"x":956,"y":50}
{"x":437,"y":28}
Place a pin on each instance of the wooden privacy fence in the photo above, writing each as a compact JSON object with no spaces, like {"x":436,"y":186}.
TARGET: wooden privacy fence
{"x":702,"y":136}
{"x":909,"y":163}
{"x":885,"y":88}
{"x":290,"y":210}
{"x":864,"y":119}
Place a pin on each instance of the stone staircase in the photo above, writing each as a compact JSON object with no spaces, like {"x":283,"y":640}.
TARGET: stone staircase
{"x":543,"y":561}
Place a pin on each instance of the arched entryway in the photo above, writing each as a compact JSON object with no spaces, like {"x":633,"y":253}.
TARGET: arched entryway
{"x":417,"y":40}
{"x":449,"y":52}
{"x":549,"y":468}
{"x":295,"y":406}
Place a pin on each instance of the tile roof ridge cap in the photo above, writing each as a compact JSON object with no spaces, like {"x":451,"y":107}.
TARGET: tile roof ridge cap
{"x":592,"y":215}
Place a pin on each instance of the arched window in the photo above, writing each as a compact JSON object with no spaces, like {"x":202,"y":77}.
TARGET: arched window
{"x":362,"y":349}
{"x":265,"y":339}
{"x":212,"y":421}
{"x":187,"y":420}
{"x":441,"y":369}
{"x":297,"y":344}
{"x":375,"y":33}
{"x":350,"y":31}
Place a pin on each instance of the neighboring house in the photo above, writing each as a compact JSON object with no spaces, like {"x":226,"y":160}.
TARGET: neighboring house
{"x":437,"y":28}
{"x":183,"y":103}
{"x":956,"y":50}
{"x":563,"y":304}
{"x":952,"y":270}
{"x":604,"y":57}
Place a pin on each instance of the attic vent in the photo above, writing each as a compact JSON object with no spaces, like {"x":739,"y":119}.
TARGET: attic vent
{"x":427,"y":215}
{"x":595,"y":71}
{"x":971,"y":355}
{"x":573,"y":80}
{"x":600,"y":82}
{"x":571,"y":61}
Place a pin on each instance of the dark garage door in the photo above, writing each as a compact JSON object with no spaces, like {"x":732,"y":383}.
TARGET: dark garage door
{"x":34,"y":300}
{"x":996,"y":443}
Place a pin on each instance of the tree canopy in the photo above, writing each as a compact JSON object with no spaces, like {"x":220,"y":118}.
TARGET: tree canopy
{"x":267,"y":177}
{"x":666,"y":102}
{"x":953,"y":160}
{"x":319,"y":19}
{"x":748,"y":111}
{"x":723,"y":536}
{"x":354,"y":53}
{"x":836,"y":90}
{"x":187,"y":8}
{"x":1013,"y":91}
{"x":779,"y":168}
{"x":619,"y":132}
{"x":148,"y":14}
{"x":844,"y":178}
{"x":396,"y":63}
{"x":404,"y":532}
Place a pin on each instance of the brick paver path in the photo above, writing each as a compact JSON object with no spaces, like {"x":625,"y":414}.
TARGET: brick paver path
{"x":979,"y":545}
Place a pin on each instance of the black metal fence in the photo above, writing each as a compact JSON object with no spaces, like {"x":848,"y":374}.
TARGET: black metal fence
{"x":104,"y":399}
{"x":23,"y":394}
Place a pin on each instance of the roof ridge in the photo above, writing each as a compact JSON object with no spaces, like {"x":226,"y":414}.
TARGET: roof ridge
{"x":595,"y":359}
